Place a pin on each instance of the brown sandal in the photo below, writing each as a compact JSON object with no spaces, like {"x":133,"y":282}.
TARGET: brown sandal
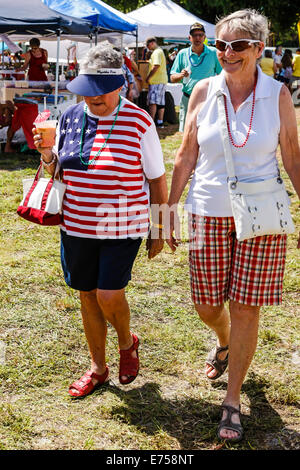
{"x":227,"y":423}
{"x":213,"y":361}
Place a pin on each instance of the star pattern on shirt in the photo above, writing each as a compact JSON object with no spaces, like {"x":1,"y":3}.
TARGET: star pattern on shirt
{"x":74,"y":139}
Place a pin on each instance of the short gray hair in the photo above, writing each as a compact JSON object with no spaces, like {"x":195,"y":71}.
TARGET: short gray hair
{"x":250,"y":22}
{"x":102,"y":56}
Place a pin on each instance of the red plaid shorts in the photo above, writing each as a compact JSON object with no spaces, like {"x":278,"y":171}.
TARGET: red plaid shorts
{"x":221,"y":268}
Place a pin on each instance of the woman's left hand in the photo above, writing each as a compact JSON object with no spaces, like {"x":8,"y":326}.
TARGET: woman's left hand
{"x":155,"y":244}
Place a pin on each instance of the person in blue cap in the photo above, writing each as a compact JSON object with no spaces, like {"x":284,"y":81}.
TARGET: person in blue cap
{"x":111,"y":161}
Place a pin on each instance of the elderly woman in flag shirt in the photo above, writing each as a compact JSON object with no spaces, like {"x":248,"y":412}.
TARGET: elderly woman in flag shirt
{"x":111,"y":161}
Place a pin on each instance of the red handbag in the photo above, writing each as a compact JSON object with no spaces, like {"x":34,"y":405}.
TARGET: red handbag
{"x":42,"y":199}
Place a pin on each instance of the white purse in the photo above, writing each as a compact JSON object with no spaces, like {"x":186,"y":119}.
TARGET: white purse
{"x":42,"y":199}
{"x":260,"y":208}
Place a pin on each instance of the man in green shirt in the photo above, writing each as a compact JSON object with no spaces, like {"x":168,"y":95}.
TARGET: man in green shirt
{"x":157,"y":79}
{"x":193,"y":64}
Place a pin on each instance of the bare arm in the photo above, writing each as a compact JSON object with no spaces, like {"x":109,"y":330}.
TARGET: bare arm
{"x":177,"y":77}
{"x":288,"y":137}
{"x":26,"y":63}
{"x":158,"y":199}
{"x":152,"y":72}
{"x":187,"y":154}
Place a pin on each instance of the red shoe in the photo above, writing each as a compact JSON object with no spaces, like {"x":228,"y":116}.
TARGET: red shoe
{"x":85,"y":384}
{"x":129,"y":365}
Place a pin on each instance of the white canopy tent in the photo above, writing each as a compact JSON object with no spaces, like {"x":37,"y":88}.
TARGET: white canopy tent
{"x":166,"y":19}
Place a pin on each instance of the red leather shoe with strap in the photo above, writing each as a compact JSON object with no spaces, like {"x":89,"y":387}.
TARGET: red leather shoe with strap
{"x":85,"y":385}
{"x":129,"y":366}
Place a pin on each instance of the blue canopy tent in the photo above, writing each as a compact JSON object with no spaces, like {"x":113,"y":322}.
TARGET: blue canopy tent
{"x":34,"y":17}
{"x":103,"y":17}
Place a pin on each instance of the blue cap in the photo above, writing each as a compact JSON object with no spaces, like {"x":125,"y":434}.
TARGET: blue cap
{"x":96,"y":82}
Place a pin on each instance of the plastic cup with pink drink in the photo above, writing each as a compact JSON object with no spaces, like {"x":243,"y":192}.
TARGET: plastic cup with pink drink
{"x":47,"y":128}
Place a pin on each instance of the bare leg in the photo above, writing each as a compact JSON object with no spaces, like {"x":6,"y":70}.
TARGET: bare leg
{"x":242,"y":346}
{"x":217,"y":318}
{"x":160,"y":114}
{"x":115,"y":308}
{"x":152,"y":110}
{"x":95,"y":328}
{"x":8,"y":147}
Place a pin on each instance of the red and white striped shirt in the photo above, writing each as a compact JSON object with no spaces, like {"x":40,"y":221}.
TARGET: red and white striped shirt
{"x":108,"y":198}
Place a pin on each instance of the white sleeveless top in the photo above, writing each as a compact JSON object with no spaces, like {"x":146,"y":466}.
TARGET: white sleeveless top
{"x":208,"y":194}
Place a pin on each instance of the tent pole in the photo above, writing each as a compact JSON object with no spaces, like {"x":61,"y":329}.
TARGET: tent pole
{"x":136,"y":45}
{"x":57,"y":68}
{"x":96,"y":35}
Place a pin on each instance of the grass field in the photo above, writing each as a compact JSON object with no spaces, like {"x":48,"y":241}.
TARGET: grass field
{"x":170,"y":405}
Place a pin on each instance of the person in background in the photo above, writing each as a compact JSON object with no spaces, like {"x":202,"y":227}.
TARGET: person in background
{"x":296,"y":64}
{"x":296,"y":67}
{"x":111,"y":161}
{"x":192,"y":64}
{"x":286,"y":72}
{"x":277,"y":59}
{"x":36,"y":59}
{"x":127,"y":89}
{"x":6,"y":57}
{"x":157,"y":79}
{"x":267,"y":63}
{"x":7,"y":110}
{"x":170,"y":61}
{"x":138,"y":81}
{"x":127,"y":60}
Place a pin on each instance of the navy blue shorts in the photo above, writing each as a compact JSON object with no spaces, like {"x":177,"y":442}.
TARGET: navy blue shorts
{"x":90,"y":263}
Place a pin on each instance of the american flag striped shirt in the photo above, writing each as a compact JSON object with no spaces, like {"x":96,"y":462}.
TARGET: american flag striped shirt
{"x":108,"y":198}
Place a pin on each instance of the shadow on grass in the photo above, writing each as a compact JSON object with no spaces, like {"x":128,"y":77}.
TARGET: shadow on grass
{"x":190,"y":421}
{"x":19,"y":161}
{"x":193,"y":423}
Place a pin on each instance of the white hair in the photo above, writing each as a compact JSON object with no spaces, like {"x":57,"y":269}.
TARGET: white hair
{"x":250,"y":22}
{"x":102,"y":56}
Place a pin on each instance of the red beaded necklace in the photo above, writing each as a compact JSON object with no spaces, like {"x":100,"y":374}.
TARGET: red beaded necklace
{"x":251,"y":119}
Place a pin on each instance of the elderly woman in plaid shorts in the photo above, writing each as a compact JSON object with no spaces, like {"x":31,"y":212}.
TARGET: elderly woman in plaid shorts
{"x":247,"y":273}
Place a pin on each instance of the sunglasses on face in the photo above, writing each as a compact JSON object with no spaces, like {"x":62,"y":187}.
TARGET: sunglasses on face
{"x":201,"y":35}
{"x":238,"y":45}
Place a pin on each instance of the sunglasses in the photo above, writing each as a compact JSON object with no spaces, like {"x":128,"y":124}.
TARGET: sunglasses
{"x":237,"y":46}
{"x":194,"y":35}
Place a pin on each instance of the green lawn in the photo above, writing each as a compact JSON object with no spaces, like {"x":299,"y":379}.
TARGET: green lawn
{"x":170,"y":405}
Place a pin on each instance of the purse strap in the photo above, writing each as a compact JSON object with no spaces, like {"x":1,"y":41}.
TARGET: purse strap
{"x":225,"y":136}
{"x":226,"y":142}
